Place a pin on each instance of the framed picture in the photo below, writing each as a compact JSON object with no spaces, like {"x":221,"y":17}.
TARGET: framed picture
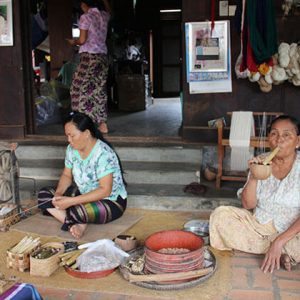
{"x":206,"y":48}
{"x":208,"y":57}
{"x":6,"y":23}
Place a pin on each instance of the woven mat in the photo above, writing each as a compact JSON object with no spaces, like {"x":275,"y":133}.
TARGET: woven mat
{"x":48,"y":226}
{"x":115,"y":284}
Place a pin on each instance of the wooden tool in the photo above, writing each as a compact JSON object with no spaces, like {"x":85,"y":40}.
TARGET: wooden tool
{"x":168,"y":276}
{"x":271,"y":156}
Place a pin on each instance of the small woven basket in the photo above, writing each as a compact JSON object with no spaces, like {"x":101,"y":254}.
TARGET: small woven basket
{"x":19,"y":262}
{"x":45,"y":267}
{"x":10,"y":218}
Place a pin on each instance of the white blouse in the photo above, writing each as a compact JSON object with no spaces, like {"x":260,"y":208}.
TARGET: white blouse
{"x":279,"y":200}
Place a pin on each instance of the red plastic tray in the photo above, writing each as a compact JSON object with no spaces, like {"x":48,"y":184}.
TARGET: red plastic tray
{"x":88,"y":275}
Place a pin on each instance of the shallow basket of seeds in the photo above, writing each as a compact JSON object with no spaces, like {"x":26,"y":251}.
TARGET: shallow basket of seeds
{"x":45,"y":260}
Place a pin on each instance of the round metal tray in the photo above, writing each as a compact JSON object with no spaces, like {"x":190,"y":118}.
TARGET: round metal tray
{"x":210,"y":261}
{"x":197,"y":225}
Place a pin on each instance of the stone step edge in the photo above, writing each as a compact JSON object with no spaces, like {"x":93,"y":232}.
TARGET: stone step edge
{"x":180,"y":203}
{"x":130,"y":165}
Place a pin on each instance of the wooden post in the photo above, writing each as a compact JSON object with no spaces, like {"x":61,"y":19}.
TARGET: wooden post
{"x":60,"y":28}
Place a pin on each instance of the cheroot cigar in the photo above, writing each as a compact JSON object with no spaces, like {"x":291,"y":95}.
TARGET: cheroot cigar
{"x":271,"y":156}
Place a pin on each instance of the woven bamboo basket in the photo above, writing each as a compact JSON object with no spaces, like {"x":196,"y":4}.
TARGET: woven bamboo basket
{"x":19,"y":262}
{"x":10,"y":218}
{"x":45,"y":267}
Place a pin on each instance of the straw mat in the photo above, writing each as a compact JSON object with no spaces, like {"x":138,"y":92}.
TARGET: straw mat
{"x":115,"y":284}
{"x":48,"y":226}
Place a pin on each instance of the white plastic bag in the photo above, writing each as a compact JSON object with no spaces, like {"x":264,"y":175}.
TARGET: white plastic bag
{"x":100,"y":256}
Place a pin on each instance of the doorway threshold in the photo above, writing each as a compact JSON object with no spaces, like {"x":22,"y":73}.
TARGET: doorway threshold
{"x":142,"y":141}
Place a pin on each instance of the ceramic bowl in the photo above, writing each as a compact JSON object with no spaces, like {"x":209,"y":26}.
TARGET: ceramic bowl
{"x":260,"y":171}
{"x":126,"y":242}
{"x":209,"y":174}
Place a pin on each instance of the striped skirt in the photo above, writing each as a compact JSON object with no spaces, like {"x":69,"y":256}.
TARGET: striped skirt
{"x":98,"y":212}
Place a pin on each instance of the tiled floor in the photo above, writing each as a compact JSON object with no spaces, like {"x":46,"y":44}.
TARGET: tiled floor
{"x":162,"y":118}
{"x":248,"y":283}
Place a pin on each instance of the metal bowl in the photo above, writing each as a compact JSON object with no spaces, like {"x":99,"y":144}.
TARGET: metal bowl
{"x":199,"y":227}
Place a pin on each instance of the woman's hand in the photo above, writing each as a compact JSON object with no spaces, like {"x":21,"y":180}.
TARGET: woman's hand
{"x":81,"y":40}
{"x":256,"y":160}
{"x":272,"y":257}
{"x":72,"y":42}
{"x":62,"y":202}
{"x":56,"y":194}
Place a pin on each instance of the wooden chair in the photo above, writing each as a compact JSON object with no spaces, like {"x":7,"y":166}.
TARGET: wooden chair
{"x":223,"y":142}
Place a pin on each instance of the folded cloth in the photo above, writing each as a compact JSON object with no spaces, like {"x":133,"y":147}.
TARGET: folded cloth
{"x":22,"y":291}
{"x":241,"y":130}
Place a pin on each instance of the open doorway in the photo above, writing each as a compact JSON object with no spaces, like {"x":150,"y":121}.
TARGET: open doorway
{"x":144,"y":81}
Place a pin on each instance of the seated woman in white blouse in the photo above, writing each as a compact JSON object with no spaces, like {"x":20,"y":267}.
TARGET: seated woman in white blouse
{"x":269,"y":222}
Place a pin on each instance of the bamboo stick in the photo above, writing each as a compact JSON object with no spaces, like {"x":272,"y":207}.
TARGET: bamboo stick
{"x":168,"y":276}
{"x":72,"y":259}
{"x":271,"y":156}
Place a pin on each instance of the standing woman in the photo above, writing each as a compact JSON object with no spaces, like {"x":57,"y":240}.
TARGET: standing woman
{"x":91,"y":188}
{"x":88,"y":90}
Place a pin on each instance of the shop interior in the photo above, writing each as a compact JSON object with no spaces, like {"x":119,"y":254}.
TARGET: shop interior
{"x":144,"y":81}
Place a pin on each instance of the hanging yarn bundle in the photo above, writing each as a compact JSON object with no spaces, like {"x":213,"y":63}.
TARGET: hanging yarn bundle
{"x":212,"y":11}
{"x":287,"y":64}
{"x":258,"y":41}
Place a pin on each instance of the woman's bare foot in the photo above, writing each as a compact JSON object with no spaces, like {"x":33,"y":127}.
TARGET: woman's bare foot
{"x":103,"y":127}
{"x":286,"y":262}
{"x":77,"y":230}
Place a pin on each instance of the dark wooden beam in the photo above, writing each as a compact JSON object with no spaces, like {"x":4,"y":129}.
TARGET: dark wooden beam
{"x":60,"y":28}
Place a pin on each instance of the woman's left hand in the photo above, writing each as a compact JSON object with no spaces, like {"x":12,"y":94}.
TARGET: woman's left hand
{"x":62,"y":202}
{"x":272,"y":257}
{"x":71,"y":42}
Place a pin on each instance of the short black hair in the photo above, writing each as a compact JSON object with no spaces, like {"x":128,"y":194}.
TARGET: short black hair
{"x":94,"y":3}
{"x":90,"y":3}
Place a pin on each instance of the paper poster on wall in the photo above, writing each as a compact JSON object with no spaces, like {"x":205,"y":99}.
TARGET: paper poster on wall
{"x":207,"y":51}
{"x":213,"y":86}
{"x":202,"y":87}
{"x":6,"y":23}
{"x":208,"y":57}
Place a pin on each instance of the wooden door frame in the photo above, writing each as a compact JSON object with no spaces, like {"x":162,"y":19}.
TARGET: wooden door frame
{"x":158,"y":74}
{"x":25,"y":13}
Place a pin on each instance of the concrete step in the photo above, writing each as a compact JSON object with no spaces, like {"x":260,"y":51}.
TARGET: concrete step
{"x":173,"y":197}
{"x":155,"y":196}
{"x":156,"y":176}
{"x":160,"y":154}
{"x":134,"y":172}
{"x":157,"y":154}
{"x":40,"y":152}
{"x":177,"y":203}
